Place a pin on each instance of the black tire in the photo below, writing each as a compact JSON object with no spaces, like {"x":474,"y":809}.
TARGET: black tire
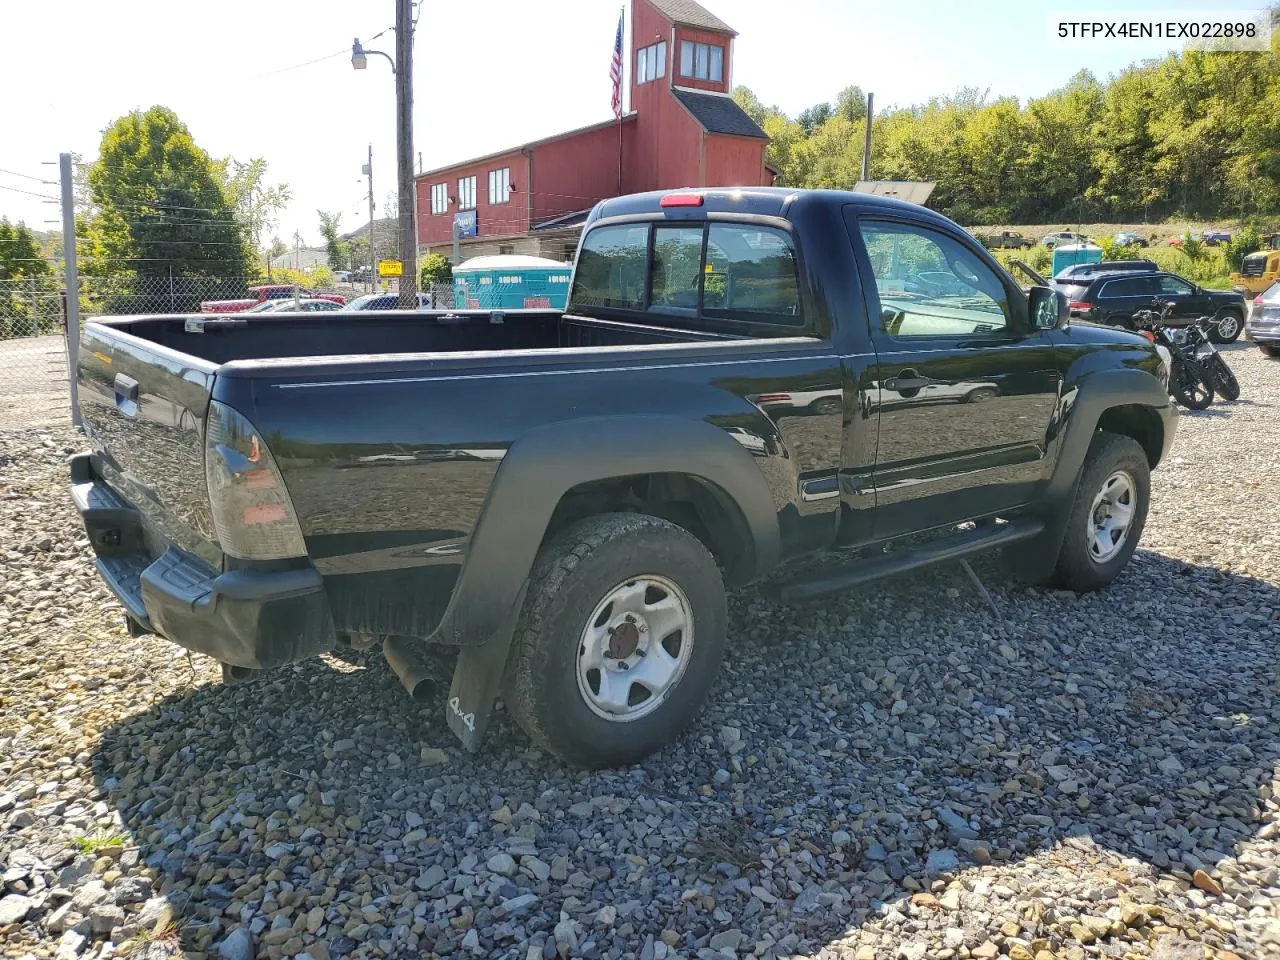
{"x":1228,"y":328}
{"x":1268,"y":351}
{"x":1190,"y":385}
{"x":571,"y":576}
{"x":1224,"y":382}
{"x":1077,"y":568}
{"x":825,"y":406}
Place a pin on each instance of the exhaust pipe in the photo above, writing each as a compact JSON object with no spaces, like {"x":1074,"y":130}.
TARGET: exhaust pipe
{"x":403,"y":660}
{"x":232,"y":675}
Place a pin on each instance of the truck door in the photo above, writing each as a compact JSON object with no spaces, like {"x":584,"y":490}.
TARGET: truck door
{"x":965,"y":386}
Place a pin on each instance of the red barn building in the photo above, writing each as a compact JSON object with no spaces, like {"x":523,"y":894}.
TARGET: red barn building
{"x":683,"y":130}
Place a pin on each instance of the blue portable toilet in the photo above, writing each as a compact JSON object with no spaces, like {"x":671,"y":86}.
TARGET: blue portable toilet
{"x":511,"y":282}
{"x":1070,"y":254}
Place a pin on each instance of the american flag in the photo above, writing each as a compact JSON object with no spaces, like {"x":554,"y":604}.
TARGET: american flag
{"x":615,"y":70}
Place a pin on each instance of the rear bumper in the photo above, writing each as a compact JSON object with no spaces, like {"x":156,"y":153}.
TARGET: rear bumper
{"x":1267,"y":333}
{"x":255,"y":617}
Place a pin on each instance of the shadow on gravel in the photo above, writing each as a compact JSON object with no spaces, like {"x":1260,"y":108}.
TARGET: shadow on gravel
{"x":868,"y":748}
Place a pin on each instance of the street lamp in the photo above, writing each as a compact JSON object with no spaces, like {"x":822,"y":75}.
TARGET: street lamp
{"x":360,"y":59}
{"x":402,"y":70}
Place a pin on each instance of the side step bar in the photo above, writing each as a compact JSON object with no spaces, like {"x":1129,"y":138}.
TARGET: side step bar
{"x":956,"y":546}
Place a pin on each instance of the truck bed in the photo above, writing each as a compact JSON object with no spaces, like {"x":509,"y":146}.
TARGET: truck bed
{"x":220,"y":340}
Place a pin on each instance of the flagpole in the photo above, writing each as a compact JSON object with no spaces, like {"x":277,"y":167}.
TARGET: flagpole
{"x":622,"y":74}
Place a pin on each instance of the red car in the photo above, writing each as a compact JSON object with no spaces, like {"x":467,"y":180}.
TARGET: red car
{"x":267,"y":291}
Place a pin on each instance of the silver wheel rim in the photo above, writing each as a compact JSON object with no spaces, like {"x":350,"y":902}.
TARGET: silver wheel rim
{"x":1111,"y":516}
{"x":1227,"y":326}
{"x":634,"y":648}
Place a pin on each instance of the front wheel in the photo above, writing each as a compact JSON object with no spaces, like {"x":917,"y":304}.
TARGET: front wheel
{"x":1107,"y":515}
{"x":1221,"y":378}
{"x":1227,"y":328}
{"x":621,"y":635}
{"x":1268,"y":351}
{"x":1190,"y":385}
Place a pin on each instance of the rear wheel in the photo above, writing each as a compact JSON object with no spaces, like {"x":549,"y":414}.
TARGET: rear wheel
{"x":1228,"y":327}
{"x":1107,"y":515}
{"x":619,"y":640}
{"x":1190,"y":385}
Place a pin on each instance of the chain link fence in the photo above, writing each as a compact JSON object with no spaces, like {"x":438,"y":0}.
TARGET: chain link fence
{"x":33,"y":354}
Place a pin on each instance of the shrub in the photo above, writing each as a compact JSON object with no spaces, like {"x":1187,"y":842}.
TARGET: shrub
{"x":1039,"y":258}
{"x":1245,"y":242}
{"x":1209,"y":270}
{"x":1192,"y":247}
{"x":436,"y":268}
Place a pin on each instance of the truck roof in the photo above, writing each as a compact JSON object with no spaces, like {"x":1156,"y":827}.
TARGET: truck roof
{"x":758,"y":201}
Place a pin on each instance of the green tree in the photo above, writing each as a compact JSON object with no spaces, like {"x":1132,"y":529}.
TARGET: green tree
{"x":159,"y":206}
{"x":20,"y":254}
{"x":436,"y":268}
{"x":256,"y":202}
{"x":851,"y":103}
{"x":814,"y":117}
{"x":25,"y":307}
{"x":337,"y":249}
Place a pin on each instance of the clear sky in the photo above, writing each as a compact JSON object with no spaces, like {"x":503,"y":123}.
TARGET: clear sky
{"x":488,"y":74}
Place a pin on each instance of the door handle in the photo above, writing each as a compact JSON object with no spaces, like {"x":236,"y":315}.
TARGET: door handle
{"x":126,"y":394}
{"x":907,"y":380}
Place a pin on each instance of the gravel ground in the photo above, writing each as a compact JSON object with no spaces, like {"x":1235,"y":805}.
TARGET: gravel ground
{"x":894,"y":773}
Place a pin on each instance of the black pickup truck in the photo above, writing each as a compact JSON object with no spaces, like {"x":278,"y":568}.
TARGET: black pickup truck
{"x":741,"y":378}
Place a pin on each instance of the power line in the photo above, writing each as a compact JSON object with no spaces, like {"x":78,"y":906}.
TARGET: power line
{"x":27,"y":176}
{"x":42,"y":196}
{"x":311,"y":63}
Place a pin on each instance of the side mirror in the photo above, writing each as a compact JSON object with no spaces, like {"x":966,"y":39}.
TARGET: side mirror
{"x":1048,"y":308}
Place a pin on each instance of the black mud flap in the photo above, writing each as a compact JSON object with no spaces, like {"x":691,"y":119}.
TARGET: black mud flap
{"x":477,"y":679}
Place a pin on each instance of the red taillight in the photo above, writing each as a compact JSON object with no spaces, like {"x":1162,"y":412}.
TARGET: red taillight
{"x":1257,"y":301}
{"x":681,"y":200}
{"x":1148,"y":334}
{"x":773,"y":397}
{"x":1080,"y":305}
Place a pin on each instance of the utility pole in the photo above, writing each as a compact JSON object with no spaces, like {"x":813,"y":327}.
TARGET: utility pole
{"x":866,"y":144}
{"x":404,"y":154}
{"x":373,"y":257}
{"x":72,"y":281}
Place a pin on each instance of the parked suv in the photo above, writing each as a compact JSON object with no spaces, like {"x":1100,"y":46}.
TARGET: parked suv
{"x":1112,"y":298}
{"x":1080,"y":271}
{"x":1264,"y":323}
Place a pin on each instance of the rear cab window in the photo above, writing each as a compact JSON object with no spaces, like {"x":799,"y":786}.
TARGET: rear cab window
{"x":716,"y":275}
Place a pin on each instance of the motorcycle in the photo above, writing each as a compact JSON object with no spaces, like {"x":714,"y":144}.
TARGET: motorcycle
{"x":1196,"y":338}
{"x":1189,"y":381}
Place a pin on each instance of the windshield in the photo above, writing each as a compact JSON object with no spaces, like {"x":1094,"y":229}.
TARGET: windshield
{"x":360,"y":303}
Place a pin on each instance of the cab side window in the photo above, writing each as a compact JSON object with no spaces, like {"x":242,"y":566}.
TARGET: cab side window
{"x":930,"y":285}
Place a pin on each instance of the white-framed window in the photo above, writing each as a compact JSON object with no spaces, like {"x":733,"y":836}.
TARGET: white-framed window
{"x":702,"y":61}
{"x":466,"y":193}
{"x":500,"y":185}
{"x":651,"y":62}
{"x":439,"y":198}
